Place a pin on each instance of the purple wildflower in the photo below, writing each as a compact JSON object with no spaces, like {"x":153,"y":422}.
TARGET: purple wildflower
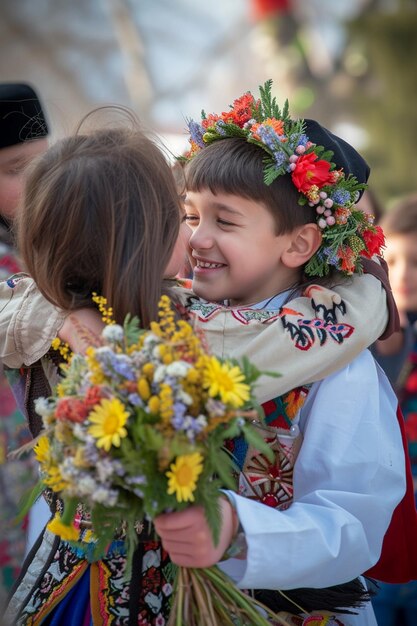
{"x":178,"y":422}
{"x":268,"y":136}
{"x":123,"y":366}
{"x":279,"y":157}
{"x":220,"y":128}
{"x":331,"y":257}
{"x":135,"y":399}
{"x":196,"y":132}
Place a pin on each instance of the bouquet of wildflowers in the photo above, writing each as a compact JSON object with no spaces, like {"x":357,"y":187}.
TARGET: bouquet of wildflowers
{"x":137,"y":427}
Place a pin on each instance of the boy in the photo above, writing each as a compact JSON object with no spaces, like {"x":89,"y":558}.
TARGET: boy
{"x":252,"y":243}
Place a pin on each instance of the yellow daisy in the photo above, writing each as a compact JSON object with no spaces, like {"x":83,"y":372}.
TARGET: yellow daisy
{"x":225,"y":380}
{"x":108,"y":423}
{"x":54,"y":480}
{"x":67,"y":533}
{"x":183,"y":476}
{"x":42,"y":451}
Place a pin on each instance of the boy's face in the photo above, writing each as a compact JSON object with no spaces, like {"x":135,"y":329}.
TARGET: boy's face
{"x":13,"y":161}
{"x":235,"y":253}
{"x":401,"y":256}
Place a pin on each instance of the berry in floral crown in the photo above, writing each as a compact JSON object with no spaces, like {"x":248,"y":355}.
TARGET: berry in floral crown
{"x":327,"y":171}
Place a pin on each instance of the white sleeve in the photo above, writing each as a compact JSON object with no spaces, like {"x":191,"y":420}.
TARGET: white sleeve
{"x":28,"y":322}
{"x":348,"y":478}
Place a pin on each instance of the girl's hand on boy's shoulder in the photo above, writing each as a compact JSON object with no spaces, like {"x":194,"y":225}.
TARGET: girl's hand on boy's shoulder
{"x":81,"y":328}
{"x":187,"y":537}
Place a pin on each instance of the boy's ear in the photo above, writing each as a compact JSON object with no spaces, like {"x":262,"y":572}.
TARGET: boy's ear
{"x":304,"y":243}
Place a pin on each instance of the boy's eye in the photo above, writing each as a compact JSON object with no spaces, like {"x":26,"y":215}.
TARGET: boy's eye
{"x":191,"y":220}
{"x":224,"y":222}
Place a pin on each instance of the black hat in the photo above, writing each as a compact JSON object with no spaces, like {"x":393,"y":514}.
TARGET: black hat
{"x":344,"y":155}
{"x":21,"y":115}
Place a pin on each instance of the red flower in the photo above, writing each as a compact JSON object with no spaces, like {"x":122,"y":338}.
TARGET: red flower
{"x":309,"y":170}
{"x":347,"y":258}
{"x":93,"y":397}
{"x":210,"y":120}
{"x":242,"y":110}
{"x":374,"y":239}
{"x":71,"y":409}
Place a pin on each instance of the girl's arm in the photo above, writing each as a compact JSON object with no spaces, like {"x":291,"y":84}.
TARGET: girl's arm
{"x":28,"y":322}
{"x":305,"y":341}
{"x":300,"y":352}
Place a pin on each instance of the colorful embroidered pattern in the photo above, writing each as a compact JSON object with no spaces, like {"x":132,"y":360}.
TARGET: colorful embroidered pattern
{"x":303,"y":332}
{"x":272,"y":482}
{"x":113,"y":599}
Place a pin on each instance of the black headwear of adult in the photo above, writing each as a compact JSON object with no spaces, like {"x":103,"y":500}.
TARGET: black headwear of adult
{"x":344,"y":155}
{"x":21,"y":115}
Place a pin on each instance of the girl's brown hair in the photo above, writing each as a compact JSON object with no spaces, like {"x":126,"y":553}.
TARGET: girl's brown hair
{"x":235,"y":166}
{"x":100,"y":213}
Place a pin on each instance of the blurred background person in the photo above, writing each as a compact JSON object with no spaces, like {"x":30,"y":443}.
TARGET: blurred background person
{"x":396,"y":605}
{"x":370,"y":203}
{"x":23,"y":136}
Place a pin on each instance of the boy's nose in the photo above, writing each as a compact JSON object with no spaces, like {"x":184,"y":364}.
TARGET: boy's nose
{"x":201,"y":239}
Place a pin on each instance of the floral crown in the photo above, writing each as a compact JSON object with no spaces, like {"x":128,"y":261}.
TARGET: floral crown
{"x":347,"y":232}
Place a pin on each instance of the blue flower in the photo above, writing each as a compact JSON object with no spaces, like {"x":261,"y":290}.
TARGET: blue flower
{"x":123,"y":366}
{"x":178,"y":422}
{"x":331,"y":256}
{"x":220,"y":128}
{"x":268,"y":136}
{"x":341,"y":197}
{"x":135,"y":399}
{"x":279,"y":157}
{"x":196,"y":132}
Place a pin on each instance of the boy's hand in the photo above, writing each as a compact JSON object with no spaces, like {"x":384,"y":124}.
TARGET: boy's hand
{"x":187,"y":538}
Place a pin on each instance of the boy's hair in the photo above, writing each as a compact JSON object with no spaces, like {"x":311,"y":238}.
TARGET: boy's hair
{"x":402,"y":218}
{"x":255,"y":146}
{"x":100,"y":213}
{"x":235,"y":166}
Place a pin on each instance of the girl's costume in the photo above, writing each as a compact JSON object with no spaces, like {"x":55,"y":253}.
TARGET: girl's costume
{"x":334,"y":501}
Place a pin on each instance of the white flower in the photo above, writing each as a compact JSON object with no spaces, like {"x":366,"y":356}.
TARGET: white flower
{"x":80,"y":432}
{"x":160,"y":373}
{"x":150,"y":339}
{"x":43,"y":407}
{"x":105,"y":496}
{"x":104,"y":469}
{"x":67,"y":469}
{"x":184,"y":397}
{"x":113,"y":333}
{"x":201,"y":420}
{"x":87,"y":486}
{"x":178,"y":369}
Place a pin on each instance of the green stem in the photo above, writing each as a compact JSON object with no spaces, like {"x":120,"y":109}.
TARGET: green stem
{"x":70,"y":506}
{"x":206,"y":608}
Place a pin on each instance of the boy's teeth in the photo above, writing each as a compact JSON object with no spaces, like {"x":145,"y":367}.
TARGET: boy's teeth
{"x":208,"y":265}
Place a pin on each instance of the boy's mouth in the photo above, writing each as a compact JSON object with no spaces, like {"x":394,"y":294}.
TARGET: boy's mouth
{"x":208,"y":265}
{"x":203,"y":264}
